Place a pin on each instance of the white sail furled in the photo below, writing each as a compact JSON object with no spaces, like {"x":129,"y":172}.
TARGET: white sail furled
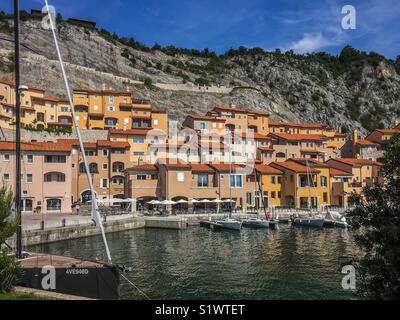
{"x":95,"y":208}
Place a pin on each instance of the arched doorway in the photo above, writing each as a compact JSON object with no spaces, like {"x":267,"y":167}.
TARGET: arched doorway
{"x":86,"y":196}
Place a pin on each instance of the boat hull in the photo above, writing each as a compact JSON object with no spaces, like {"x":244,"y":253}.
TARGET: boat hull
{"x":255,"y":223}
{"x":70,"y":276}
{"x":230,"y":225}
{"x":309,"y":222}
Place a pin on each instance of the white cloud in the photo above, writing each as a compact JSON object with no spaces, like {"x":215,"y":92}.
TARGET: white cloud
{"x":311,"y":42}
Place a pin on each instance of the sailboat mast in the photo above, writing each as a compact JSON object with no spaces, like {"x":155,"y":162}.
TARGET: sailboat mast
{"x":17,"y":131}
{"x":95,"y":208}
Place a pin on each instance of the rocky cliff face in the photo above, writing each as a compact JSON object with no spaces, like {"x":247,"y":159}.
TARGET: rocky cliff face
{"x":354,"y":90}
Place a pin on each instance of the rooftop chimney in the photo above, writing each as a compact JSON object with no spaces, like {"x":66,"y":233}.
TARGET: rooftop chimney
{"x":355,"y":136}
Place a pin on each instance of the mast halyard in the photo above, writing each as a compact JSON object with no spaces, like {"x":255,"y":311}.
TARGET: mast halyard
{"x":17,"y":132}
{"x":95,"y":208}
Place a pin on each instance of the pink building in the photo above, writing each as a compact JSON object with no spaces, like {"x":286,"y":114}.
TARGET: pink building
{"x":46,"y":175}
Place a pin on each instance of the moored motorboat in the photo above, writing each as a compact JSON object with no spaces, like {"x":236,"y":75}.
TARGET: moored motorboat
{"x":231,"y":224}
{"x":255,"y":223}
{"x":309,"y":222}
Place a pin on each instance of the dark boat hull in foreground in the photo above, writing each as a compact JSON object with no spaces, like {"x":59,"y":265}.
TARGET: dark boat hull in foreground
{"x":71,"y":276}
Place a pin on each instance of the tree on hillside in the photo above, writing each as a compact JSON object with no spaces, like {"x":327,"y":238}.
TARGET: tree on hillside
{"x":10,"y":269}
{"x":377,"y":212}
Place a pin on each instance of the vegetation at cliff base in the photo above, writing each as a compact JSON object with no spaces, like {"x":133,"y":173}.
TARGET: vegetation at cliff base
{"x":377,"y":213}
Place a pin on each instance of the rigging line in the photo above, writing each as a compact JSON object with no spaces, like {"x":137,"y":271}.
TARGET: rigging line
{"x":95,"y":209}
{"x":136,"y":287}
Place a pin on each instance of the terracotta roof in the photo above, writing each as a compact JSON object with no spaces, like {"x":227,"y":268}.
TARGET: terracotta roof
{"x":339,"y":134}
{"x":233,"y":109}
{"x":310,"y":151}
{"x":298,"y":137}
{"x":36,"y":146}
{"x":171,"y":164}
{"x":99,"y":143}
{"x":266,"y":149}
{"x":293,"y":166}
{"x":297,"y":125}
{"x":357,"y":162}
{"x":366,"y":142}
{"x":143,"y":167}
{"x":337,"y":172}
{"x":387,"y":131}
{"x":206,"y":118}
{"x":255,"y":136}
{"x":201,"y":168}
{"x":311,"y":162}
{"x":265,"y":169}
{"x":225,"y":167}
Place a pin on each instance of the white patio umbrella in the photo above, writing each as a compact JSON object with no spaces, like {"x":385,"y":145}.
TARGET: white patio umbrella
{"x":229,"y":201}
{"x":205,"y":201}
{"x":195,"y":201}
{"x":182,"y":201}
{"x":157,"y":202}
{"x":167,"y":202}
{"x":151,"y":202}
{"x":217,"y":201}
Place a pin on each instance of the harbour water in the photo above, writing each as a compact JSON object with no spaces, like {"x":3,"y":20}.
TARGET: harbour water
{"x":198,"y":263}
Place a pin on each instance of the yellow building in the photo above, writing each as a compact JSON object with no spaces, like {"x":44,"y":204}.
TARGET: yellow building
{"x":305,"y":183}
{"x":242,"y":120}
{"x":267,"y":187}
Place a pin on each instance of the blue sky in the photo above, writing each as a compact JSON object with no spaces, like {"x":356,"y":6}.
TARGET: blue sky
{"x":301,"y":25}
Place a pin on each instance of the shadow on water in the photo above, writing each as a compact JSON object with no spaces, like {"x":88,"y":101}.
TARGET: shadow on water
{"x":198,"y":263}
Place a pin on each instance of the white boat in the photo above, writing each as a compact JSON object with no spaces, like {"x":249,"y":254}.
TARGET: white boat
{"x":255,"y":223}
{"x":230,"y":224}
{"x":309,"y":222}
{"x":342,"y":223}
{"x":337,"y":219}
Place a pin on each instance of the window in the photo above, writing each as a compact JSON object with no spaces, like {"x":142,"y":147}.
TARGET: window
{"x":55,"y":159}
{"x":53,"y":204}
{"x":104,"y":183}
{"x":111,"y":108}
{"x":324,"y":181}
{"x":138,"y":140}
{"x":111,"y":122}
{"x":155,"y":122}
{"x":6,"y":157}
{"x":279,"y":194}
{"x":105,"y":166}
{"x":118,"y":180}
{"x":280,"y":180}
{"x":118,"y":167}
{"x":64,"y":109}
{"x":29,"y":158}
{"x":54,"y":177}
{"x":273,"y":194}
{"x":51,"y":117}
{"x":136,"y":124}
{"x":89,"y":153}
{"x":248,"y":198}
{"x":6,"y":177}
{"x":111,"y":99}
{"x":105,"y":152}
{"x":202,"y":180}
{"x":273,"y":180}
{"x":137,"y":153}
{"x":180,"y":177}
{"x":141,"y":177}
{"x":202,"y":125}
{"x":29,"y":178}
{"x":95,"y":108}
{"x":236,"y":181}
